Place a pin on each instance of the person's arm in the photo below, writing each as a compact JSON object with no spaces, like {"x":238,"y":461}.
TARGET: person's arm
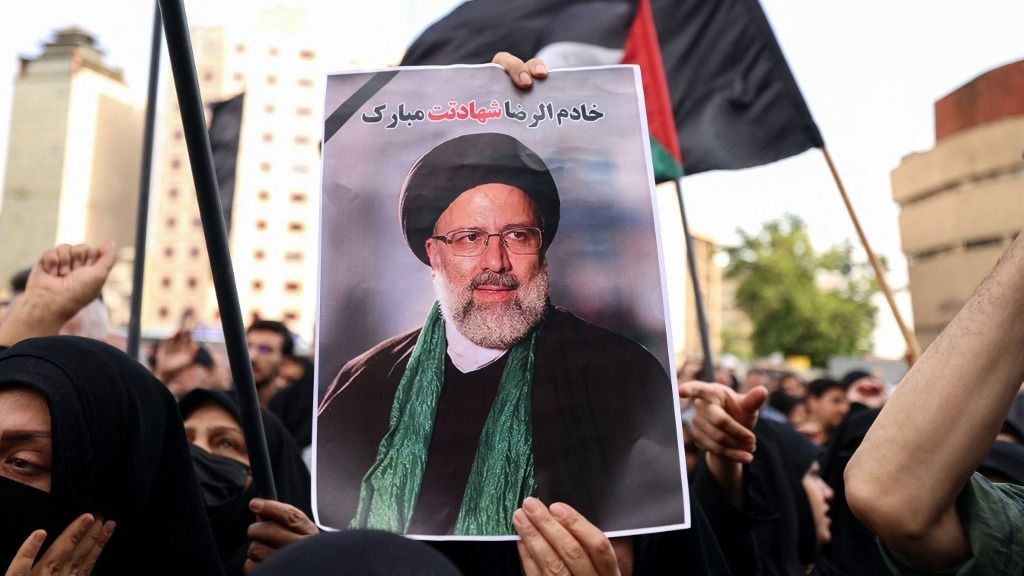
{"x":723,"y":425}
{"x":277,"y":525}
{"x":903,"y":481}
{"x":64,"y":280}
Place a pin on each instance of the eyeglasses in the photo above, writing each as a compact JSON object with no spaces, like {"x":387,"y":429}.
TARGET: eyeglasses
{"x":262,"y":349}
{"x":473,"y":241}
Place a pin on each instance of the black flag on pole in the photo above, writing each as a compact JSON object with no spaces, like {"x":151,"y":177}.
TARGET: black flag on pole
{"x":225,"y":130}
{"x":735,"y":101}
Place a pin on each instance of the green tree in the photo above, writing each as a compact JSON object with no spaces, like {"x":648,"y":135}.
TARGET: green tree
{"x":802,"y":302}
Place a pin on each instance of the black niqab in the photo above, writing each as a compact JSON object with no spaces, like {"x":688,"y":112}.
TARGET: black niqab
{"x":118,"y":445}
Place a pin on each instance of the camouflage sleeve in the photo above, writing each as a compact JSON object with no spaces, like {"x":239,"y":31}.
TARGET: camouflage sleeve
{"x":993,"y":515}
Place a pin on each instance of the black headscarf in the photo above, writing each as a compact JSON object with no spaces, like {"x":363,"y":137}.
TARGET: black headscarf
{"x":291,"y":478}
{"x":118,"y":447}
{"x":358,"y":553}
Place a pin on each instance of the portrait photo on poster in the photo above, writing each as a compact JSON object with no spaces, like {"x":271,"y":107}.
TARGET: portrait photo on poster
{"x":492,"y":316}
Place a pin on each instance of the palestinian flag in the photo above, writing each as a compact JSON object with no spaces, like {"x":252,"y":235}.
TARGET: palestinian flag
{"x":728,"y":88}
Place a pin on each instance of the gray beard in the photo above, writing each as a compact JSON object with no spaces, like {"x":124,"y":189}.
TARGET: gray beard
{"x":497,"y":326}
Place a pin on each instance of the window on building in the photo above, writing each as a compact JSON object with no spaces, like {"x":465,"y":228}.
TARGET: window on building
{"x":197,"y":222}
{"x":175,"y":163}
{"x":178,"y":134}
{"x":265,"y":166}
{"x":298,"y":197}
{"x":192,"y":282}
{"x":268,"y":137}
{"x":293,"y":256}
{"x":292,"y":286}
{"x":165,"y":281}
{"x":306,"y":82}
{"x":273,"y":51}
{"x":168,"y":251}
{"x":291,"y":316}
{"x":271,"y":79}
{"x":301,"y":140}
{"x":304,"y":111}
{"x":208,"y":76}
{"x":237,"y":77}
{"x":307,"y":54}
{"x":173,"y":192}
{"x":263,"y":195}
{"x":194,"y":252}
{"x":257,"y":285}
{"x":300,"y":169}
{"x":296,"y":226}
{"x":269,"y":108}
{"x":261,"y":224}
{"x":259,"y":255}
{"x":171,"y":221}
{"x":163,"y":312}
{"x":240,"y":48}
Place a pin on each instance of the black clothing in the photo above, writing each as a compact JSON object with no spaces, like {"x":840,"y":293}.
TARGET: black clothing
{"x":357,"y":553}
{"x":119,"y":446}
{"x":853,"y":547}
{"x":294,"y":406}
{"x":231,"y":520}
{"x":604,"y":438}
{"x":462,"y":410}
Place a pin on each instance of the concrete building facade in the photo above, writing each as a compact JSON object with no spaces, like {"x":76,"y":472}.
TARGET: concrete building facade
{"x":962,"y":202}
{"x":273,"y":222}
{"x":73,"y":157}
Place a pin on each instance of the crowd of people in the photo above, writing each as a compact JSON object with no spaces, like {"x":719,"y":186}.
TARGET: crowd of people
{"x":112,"y":466}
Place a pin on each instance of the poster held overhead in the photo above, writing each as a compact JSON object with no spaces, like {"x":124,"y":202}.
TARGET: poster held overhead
{"x":492,"y":312}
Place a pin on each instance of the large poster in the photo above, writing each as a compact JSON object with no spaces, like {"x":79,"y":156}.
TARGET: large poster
{"x":492,"y":321}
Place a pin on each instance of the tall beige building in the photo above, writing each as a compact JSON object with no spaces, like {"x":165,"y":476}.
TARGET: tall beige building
{"x":273,"y":222}
{"x":962,"y":202}
{"x":73,"y":157}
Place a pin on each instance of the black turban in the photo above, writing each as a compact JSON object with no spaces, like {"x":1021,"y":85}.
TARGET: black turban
{"x":452,"y":167}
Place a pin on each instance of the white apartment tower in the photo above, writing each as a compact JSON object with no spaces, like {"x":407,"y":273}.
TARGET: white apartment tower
{"x":273,"y":222}
{"x":73,"y":157}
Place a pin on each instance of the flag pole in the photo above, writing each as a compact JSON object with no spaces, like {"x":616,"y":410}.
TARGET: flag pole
{"x":698,"y":299}
{"x":142,"y":212}
{"x":197,"y":139}
{"x":913,"y":347}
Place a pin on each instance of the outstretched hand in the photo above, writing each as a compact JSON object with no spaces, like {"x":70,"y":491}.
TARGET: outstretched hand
{"x":724,"y":419}
{"x":277,"y":525}
{"x":559,"y":540}
{"x":75,"y":551}
{"x":723,"y":425}
{"x":522,"y":73}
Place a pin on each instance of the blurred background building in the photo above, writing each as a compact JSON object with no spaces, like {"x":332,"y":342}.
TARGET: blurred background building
{"x":73,"y":160}
{"x":962,"y":202}
{"x":274,"y":72}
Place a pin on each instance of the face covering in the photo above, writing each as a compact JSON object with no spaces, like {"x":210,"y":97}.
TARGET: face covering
{"x":26,"y":509}
{"x":222,"y":483}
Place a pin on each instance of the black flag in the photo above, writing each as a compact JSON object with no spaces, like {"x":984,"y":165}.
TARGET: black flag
{"x":225,"y":129}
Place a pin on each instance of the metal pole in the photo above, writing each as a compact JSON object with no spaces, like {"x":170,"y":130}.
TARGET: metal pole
{"x":698,"y":299}
{"x":142,"y":213}
{"x":197,"y":139}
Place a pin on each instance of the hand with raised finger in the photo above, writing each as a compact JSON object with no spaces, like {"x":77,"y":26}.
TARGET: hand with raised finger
{"x":277,"y":525}
{"x":522,"y":73}
{"x":724,"y":419}
{"x":559,"y":540}
{"x":75,"y":551}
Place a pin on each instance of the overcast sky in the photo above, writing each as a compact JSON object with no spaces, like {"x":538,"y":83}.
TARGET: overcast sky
{"x":869,"y":70}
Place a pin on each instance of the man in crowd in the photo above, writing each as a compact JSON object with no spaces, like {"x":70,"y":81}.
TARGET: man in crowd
{"x":269,"y":343}
{"x":497,"y":383}
{"x":826,"y":406}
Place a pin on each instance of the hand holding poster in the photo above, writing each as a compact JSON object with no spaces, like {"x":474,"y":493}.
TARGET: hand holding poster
{"x":492,"y":316}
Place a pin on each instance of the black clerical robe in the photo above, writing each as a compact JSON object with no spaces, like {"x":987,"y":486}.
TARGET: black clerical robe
{"x":604,"y":437}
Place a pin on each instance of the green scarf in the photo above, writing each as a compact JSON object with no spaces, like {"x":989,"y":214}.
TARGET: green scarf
{"x":502,"y":472}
